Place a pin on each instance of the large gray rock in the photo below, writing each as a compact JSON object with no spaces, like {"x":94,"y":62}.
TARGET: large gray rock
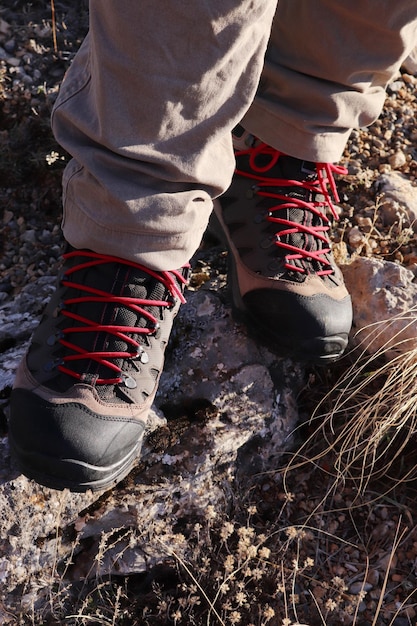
{"x":225,"y":410}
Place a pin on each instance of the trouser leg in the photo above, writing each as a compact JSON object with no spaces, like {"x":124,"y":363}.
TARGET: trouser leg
{"x":146,"y":112}
{"x":326,"y":69}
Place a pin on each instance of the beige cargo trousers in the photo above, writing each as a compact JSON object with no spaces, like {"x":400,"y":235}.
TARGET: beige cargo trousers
{"x":147,"y":107}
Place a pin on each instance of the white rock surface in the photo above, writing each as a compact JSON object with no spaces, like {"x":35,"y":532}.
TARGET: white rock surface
{"x":384,"y":296}
{"x":398,"y":199}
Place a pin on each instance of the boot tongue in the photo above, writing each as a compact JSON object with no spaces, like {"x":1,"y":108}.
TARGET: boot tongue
{"x":290,"y":168}
{"x":296,"y":169}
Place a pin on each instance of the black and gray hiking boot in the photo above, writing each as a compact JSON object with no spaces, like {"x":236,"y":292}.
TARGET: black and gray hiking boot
{"x":282,"y":273}
{"x":82,"y":393}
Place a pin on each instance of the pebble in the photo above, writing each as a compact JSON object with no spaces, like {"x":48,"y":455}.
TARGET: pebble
{"x":373,"y":577}
{"x":359,"y":586}
{"x":365,"y":223}
{"x":378,"y":143}
{"x":29,"y":236}
{"x":355,"y":237}
{"x":395,"y":86}
{"x":397,"y":160}
{"x":10,"y":45}
{"x":12,"y":61}
{"x":4,"y":27}
{"x":7,"y":216}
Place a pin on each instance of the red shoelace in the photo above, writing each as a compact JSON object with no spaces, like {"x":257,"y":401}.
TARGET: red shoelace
{"x":171,"y":280}
{"x":324,"y":185}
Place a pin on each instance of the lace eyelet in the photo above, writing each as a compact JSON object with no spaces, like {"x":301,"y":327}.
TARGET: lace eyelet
{"x":51,"y":341}
{"x":128,"y":381}
{"x":268,"y":242}
{"x":52,"y":365}
{"x":141,"y":355}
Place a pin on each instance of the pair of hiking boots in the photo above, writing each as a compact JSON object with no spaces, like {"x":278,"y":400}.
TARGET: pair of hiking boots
{"x":82,"y":393}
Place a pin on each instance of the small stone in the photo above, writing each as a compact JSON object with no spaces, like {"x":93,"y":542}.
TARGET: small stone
{"x":359,"y":586}
{"x":7,"y":216}
{"x":395,"y":86}
{"x":355,"y":237}
{"x":10,"y":45}
{"x":397,"y":160}
{"x":378,"y":143}
{"x":365,"y":223}
{"x":408,"y":79}
{"x":13,"y":61}
{"x":373,"y":577}
{"x":29,"y":236}
{"x":354,"y":167}
{"x":384,"y":168}
{"x":4,"y":27}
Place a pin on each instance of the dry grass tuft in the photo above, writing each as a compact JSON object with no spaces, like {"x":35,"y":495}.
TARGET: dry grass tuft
{"x":368,"y":418}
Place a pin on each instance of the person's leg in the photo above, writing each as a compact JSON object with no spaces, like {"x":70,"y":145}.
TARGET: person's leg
{"x":326,"y":69}
{"x":146,"y":111}
{"x":325,"y":72}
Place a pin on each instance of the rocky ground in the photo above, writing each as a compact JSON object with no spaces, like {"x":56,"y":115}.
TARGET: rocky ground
{"x":269,"y":492}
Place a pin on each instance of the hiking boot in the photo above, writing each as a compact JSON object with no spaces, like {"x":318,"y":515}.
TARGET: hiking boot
{"x":282,"y":273}
{"x":82,"y":393}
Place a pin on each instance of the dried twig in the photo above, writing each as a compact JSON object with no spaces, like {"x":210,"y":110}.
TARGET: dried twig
{"x":54,"y":26}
